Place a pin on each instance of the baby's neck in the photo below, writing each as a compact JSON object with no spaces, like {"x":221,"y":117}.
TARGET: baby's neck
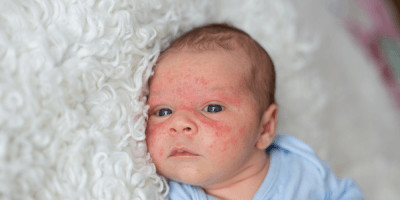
{"x":244,"y":187}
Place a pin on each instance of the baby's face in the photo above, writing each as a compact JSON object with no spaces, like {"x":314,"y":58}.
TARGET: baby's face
{"x":203,"y":123}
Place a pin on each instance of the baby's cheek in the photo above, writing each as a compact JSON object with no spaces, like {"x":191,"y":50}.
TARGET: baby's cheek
{"x":226,"y":139}
{"x":223,"y":131}
{"x":161,"y":152}
{"x":223,"y":141}
{"x":219,"y":130}
{"x":228,"y":144}
{"x":156,"y":130}
{"x":154,"y":140}
{"x":223,"y":149}
{"x":153,"y":145}
{"x":222,"y":136}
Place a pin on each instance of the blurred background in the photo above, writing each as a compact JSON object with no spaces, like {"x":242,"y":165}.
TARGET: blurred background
{"x":349,"y":92}
{"x":374,"y":24}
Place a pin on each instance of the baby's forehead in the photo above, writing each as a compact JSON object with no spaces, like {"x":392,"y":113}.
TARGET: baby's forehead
{"x":207,"y":57}
{"x":207,"y":66}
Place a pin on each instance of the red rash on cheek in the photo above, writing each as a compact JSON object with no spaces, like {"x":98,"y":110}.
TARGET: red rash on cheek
{"x":232,"y":142}
{"x":170,"y":78}
{"x":154,"y":139}
{"x":226,"y":140}
{"x":220,"y":129}
{"x":223,"y":145}
{"x":154,"y":130}
{"x":201,"y":81}
{"x":161,"y":152}
{"x":241,"y":130}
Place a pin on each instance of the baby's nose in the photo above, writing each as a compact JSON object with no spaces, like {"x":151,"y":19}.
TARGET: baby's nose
{"x":183,"y":123}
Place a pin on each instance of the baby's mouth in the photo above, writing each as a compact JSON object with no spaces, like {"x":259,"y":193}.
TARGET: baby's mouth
{"x":182,"y":152}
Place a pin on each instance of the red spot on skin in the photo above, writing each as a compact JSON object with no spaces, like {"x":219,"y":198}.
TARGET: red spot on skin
{"x":157,"y":130}
{"x":187,"y":107}
{"x":169,"y":77}
{"x":201,"y":81}
{"x":232,"y":142}
{"x":161,"y":152}
{"x":190,"y":136}
{"x":221,"y":129}
{"x":156,"y":88}
{"x":241,"y":130}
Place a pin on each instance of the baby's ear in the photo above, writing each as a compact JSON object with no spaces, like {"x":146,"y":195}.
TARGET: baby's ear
{"x":267,"y":127}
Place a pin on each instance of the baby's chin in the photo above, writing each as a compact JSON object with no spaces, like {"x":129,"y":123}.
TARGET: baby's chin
{"x":191,"y":177}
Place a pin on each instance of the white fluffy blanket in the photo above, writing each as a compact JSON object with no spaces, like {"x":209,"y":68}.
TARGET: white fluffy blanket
{"x":73,"y":76}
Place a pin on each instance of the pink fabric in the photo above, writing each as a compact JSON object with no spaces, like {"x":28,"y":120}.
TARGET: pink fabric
{"x":383,"y":27}
{"x":382,"y":20}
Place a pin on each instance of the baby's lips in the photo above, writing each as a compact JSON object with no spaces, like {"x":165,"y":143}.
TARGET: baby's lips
{"x":181,"y":151}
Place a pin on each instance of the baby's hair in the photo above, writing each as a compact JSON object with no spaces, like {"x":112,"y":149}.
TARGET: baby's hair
{"x":261,"y":80}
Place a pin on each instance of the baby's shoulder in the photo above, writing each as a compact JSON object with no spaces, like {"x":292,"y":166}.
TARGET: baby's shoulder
{"x":298,"y":171}
{"x":295,"y":151}
{"x":292,"y":159}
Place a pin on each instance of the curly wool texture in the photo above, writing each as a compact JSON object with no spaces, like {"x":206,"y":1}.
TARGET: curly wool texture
{"x":73,"y":80}
{"x":72,"y":111}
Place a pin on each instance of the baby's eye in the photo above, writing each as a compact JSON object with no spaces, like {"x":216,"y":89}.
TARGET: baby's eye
{"x":213,"y":108}
{"x":163,"y":112}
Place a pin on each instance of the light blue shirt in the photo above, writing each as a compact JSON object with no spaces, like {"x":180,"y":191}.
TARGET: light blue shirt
{"x":295,"y":172}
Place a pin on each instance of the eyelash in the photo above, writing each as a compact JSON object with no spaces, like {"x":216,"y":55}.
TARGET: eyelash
{"x":211,"y":108}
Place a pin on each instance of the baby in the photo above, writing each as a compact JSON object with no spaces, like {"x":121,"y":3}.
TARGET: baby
{"x":212,"y":122}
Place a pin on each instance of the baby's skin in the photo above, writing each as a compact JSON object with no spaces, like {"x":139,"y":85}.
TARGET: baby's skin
{"x":205,"y":127}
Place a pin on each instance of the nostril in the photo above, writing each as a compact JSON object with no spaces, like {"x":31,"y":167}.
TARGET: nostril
{"x":187,"y":129}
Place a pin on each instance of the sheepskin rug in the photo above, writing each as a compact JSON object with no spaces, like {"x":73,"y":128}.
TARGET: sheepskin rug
{"x":73,"y":80}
